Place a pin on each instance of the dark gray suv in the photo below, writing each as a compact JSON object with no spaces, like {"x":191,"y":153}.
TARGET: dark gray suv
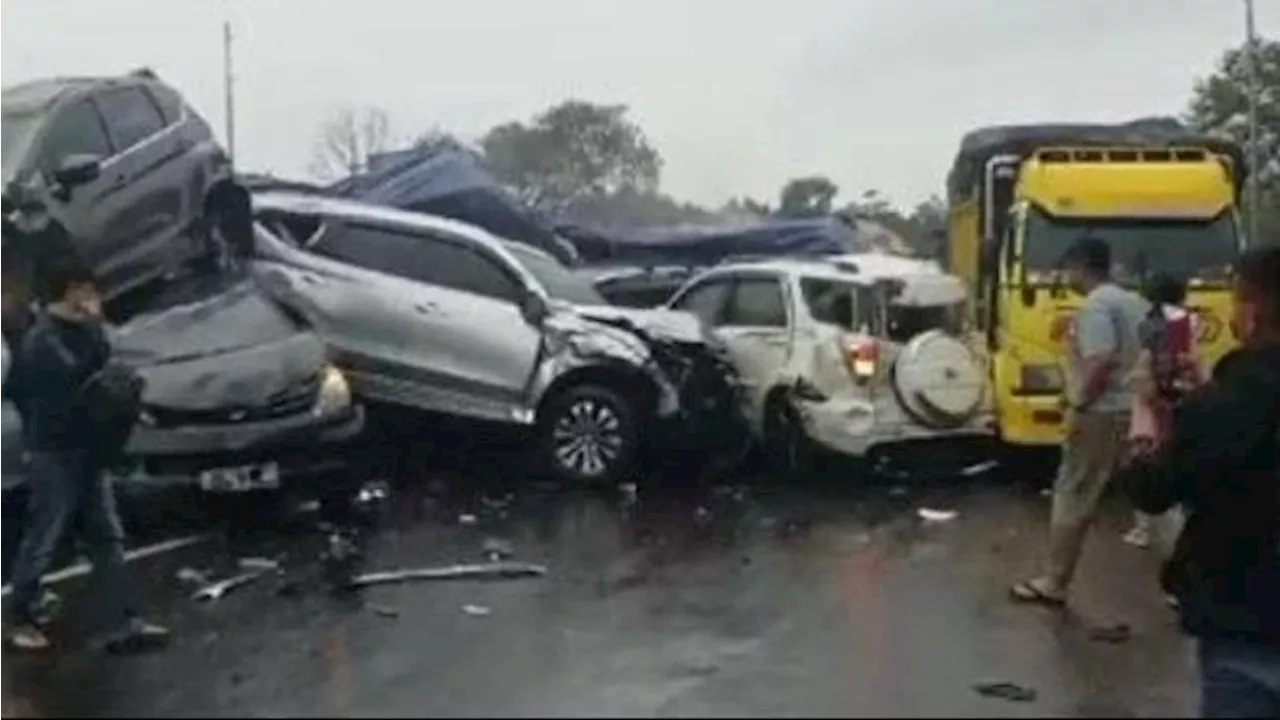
{"x":123,"y":166}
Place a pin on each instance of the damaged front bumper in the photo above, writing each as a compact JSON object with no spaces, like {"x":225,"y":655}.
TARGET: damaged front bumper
{"x":301,"y":446}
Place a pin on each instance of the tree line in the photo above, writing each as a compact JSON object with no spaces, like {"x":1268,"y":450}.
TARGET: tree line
{"x":591,"y":162}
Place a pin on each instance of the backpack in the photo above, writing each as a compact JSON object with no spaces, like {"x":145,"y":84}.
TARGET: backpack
{"x":111,"y":399}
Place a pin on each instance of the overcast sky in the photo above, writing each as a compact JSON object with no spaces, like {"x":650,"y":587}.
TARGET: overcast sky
{"x":738,"y":95}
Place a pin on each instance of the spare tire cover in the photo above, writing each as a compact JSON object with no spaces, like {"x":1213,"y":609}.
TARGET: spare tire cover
{"x":938,"y":380}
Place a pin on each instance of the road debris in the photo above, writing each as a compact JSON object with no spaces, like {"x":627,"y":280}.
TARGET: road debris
{"x":477,"y":610}
{"x":372,"y":492}
{"x":931,"y":515}
{"x":215,"y":591}
{"x":483,"y":571}
{"x":259,"y":563}
{"x":495,"y":549}
{"x":191,"y":576}
{"x":467,"y":519}
{"x":1005,"y":691}
{"x":383,"y":611}
{"x":980,"y":468}
{"x":897,"y":491}
{"x":1113,"y":634}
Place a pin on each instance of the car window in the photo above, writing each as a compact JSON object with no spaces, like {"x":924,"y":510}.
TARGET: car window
{"x":169,"y":102}
{"x":756,"y":302}
{"x":75,"y":130}
{"x":420,"y":258}
{"x":131,"y":116}
{"x":707,"y":301}
{"x":830,"y":301}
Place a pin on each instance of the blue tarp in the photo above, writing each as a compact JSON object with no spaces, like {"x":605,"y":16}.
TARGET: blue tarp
{"x":697,"y":246}
{"x":453,"y":183}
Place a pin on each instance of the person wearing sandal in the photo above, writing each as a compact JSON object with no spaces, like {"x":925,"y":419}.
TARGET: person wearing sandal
{"x":1103,"y":351}
{"x":1221,"y":463}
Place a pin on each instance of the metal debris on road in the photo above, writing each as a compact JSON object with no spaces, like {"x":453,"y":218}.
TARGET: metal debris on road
{"x":467,"y":519}
{"x":216,"y":590}
{"x":191,"y":576}
{"x":477,"y":610}
{"x":259,"y":563}
{"x":483,"y":571}
{"x":980,"y":468}
{"x":930,"y":515}
{"x":372,"y":491}
{"x":1005,"y":691}
{"x":1113,"y":634}
{"x":383,"y":611}
{"x":496,"y":549}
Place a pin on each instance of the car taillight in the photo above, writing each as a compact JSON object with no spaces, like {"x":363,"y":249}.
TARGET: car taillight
{"x":861,"y":357}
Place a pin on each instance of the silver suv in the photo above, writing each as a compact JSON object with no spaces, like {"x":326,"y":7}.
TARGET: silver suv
{"x":122,"y":166}
{"x":442,"y":316}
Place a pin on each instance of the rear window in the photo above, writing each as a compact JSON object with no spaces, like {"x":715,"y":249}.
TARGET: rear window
{"x":907,"y":322}
{"x":830,"y":301}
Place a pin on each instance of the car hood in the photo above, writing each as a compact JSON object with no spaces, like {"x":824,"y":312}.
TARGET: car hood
{"x":668,"y":324}
{"x":236,"y":348}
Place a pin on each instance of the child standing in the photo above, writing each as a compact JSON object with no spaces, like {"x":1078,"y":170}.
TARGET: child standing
{"x":1167,"y":370}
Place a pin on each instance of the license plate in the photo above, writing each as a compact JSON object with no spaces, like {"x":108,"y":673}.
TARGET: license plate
{"x":244,"y":478}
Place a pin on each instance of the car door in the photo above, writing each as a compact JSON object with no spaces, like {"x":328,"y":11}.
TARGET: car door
{"x":142,"y":234}
{"x":756,"y":329}
{"x":333,"y":274}
{"x":77,"y":129}
{"x":471,"y":342}
{"x":451,"y":330}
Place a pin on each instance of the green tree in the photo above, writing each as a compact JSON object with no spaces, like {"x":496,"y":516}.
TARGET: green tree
{"x":1220,"y":105}
{"x":807,"y":196}
{"x":573,"y":150}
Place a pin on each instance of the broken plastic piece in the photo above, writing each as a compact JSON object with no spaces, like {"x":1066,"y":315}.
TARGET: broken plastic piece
{"x":258,"y":563}
{"x":453,"y":572}
{"x":476,"y":610}
{"x":191,"y":576}
{"x":1005,"y":691}
{"x":936,"y":516}
{"x":216,"y":590}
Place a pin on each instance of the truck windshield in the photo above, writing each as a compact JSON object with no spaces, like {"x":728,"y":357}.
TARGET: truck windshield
{"x":1189,"y":248}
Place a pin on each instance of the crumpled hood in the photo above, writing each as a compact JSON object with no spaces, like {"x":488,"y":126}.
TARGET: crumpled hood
{"x":668,"y":324}
{"x":236,"y":348}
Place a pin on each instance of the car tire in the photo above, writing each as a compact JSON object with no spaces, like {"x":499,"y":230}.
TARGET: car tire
{"x":786,"y":446}
{"x":577,"y":428}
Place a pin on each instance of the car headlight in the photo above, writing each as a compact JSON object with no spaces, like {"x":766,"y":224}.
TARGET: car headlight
{"x":1040,"y":380}
{"x":334,"y":394}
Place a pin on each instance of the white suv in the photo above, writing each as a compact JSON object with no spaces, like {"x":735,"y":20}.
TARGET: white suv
{"x":852,"y":354}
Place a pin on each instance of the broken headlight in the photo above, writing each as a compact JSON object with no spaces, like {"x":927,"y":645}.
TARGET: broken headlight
{"x":334,"y":394}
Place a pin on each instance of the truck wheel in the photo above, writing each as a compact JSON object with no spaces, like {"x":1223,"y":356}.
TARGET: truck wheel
{"x":588,"y":435}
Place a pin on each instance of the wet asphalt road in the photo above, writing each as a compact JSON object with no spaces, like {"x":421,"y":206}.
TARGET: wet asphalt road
{"x":758,"y":598}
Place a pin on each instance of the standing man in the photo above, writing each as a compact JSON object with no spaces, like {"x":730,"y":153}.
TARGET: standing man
{"x":1222,"y":464}
{"x":1103,"y":351}
{"x":62,"y":359}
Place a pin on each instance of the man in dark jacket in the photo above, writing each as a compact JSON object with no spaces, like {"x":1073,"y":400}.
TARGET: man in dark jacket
{"x":1223,"y":465}
{"x":63,"y":349}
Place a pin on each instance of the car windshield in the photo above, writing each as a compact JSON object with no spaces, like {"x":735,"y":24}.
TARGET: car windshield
{"x":559,"y":282}
{"x":16,"y":132}
{"x":1190,"y":248}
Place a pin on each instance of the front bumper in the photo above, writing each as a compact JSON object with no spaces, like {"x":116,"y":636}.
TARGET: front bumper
{"x":855,"y":426}
{"x":301,"y":446}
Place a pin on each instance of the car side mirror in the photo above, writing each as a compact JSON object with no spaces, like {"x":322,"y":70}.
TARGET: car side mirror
{"x":534,"y":308}
{"x":75,"y":170}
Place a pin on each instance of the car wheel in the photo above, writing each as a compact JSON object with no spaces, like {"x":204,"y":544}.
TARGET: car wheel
{"x":786,"y":446}
{"x":588,"y":435}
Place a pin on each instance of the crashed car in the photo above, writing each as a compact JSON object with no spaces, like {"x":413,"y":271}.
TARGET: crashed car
{"x":845,"y":359}
{"x":445,"y":317}
{"x":239,"y":397}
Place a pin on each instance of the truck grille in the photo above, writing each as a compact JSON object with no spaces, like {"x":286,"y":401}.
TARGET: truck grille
{"x":293,"y":400}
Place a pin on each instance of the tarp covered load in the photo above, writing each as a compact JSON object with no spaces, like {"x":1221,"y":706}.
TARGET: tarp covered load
{"x":453,"y":183}
{"x":981,"y":145}
{"x":698,"y":246}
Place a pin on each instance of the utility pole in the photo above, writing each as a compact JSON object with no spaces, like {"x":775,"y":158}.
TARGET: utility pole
{"x":1255,"y":136}
{"x":228,"y":85}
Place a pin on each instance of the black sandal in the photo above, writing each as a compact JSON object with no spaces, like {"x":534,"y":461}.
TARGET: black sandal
{"x":1027,"y":593}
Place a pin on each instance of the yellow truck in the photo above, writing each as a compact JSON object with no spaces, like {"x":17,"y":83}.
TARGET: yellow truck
{"x":1165,"y":200}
